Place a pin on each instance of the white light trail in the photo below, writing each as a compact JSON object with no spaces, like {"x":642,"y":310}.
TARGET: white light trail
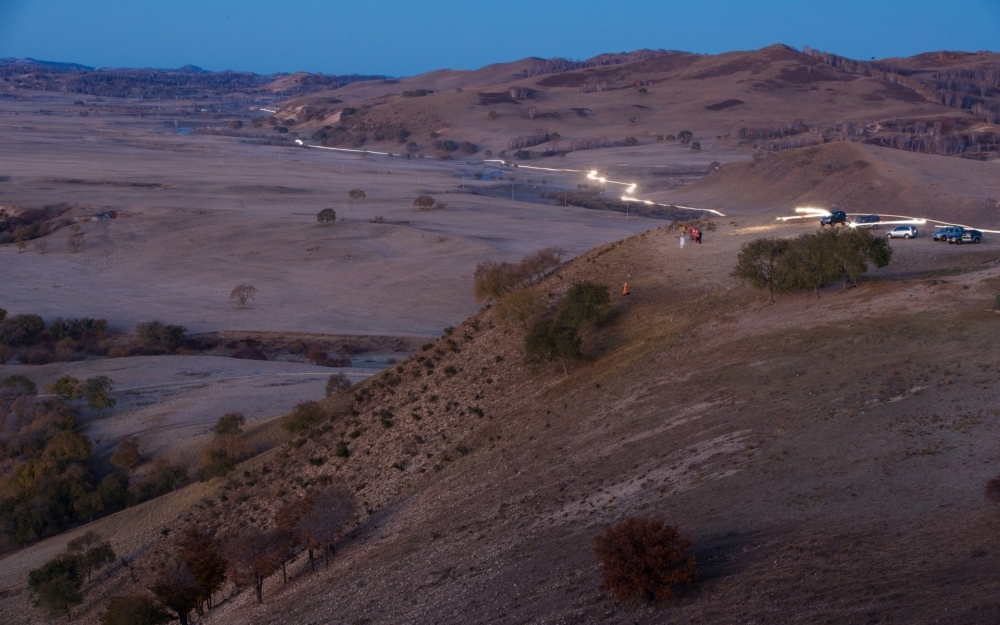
{"x":323,"y":147}
{"x":268,"y":110}
{"x":897,"y":220}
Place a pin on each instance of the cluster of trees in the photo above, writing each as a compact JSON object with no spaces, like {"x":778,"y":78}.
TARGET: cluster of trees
{"x":963,"y":88}
{"x":941,"y":136}
{"x":202,"y":561}
{"x":536,"y":138}
{"x":152,"y":84}
{"x":96,"y":390}
{"x":46,"y":480}
{"x":811,"y":260}
{"x":776,"y":131}
{"x":644,"y":557}
{"x":57,"y":585}
{"x":226,"y":449}
{"x":560,"y":65}
{"x":493,"y":280}
{"x":448,"y":145}
{"x":27,"y":337}
{"x":31,"y":223}
{"x":558,"y":337}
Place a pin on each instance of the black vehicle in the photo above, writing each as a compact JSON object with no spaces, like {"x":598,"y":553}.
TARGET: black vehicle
{"x":834,"y":218}
{"x":948,"y":231}
{"x":867,"y":221}
{"x":969,"y":236}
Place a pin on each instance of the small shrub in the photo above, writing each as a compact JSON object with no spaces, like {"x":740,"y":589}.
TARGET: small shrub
{"x":18,"y":385}
{"x":336,"y":384}
{"x":644,"y":557}
{"x":631,"y":141}
{"x":316,"y":461}
{"x":993,"y":489}
{"x":340,"y":450}
{"x":450,"y":371}
{"x":303,"y":416}
{"x":586,"y":302}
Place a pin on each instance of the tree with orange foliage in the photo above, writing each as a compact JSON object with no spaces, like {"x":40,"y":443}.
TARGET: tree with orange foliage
{"x":252,"y":556}
{"x":644,"y":556}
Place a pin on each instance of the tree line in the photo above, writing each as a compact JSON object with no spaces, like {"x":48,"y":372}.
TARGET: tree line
{"x":199,"y":564}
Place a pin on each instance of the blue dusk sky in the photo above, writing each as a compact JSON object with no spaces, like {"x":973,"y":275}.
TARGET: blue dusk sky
{"x":406,"y":37}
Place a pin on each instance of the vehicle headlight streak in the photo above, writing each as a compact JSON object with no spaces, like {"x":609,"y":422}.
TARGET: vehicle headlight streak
{"x":897,"y":220}
{"x":805,"y":212}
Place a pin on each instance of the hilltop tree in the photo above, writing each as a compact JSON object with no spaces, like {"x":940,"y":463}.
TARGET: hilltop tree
{"x":855,"y":248}
{"x":326,"y":216}
{"x":759,"y":264}
{"x":243,"y":293}
{"x":644,"y":556}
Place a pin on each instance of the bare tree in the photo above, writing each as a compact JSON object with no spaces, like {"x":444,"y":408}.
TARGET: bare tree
{"x":316,"y":521}
{"x":76,"y":241}
{"x":252,"y":556}
{"x":531,"y":112}
{"x":200,"y":552}
{"x":40,"y":245}
{"x":328,"y":514}
{"x":243,"y":293}
{"x":177,"y":590}
{"x":91,"y":552}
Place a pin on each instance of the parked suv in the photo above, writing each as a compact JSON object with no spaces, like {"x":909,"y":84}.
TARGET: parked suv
{"x":867,"y":221}
{"x":969,"y":236}
{"x":948,"y":231}
{"x":902,"y":232}
{"x":834,"y":218}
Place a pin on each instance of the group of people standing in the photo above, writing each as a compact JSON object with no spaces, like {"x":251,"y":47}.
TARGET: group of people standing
{"x":695,"y":235}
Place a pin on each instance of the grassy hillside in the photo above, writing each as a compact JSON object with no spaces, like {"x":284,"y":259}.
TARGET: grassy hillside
{"x":827,"y":456}
{"x":858,"y":178}
{"x":715,"y":97}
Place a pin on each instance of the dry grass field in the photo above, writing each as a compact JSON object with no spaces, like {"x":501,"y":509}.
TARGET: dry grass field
{"x":827,"y":455}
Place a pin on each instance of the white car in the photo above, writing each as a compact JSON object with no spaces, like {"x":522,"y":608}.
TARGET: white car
{"x":902,"y":232}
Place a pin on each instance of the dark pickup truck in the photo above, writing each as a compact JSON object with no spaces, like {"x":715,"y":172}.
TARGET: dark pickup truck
{"x":834,"y":218}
